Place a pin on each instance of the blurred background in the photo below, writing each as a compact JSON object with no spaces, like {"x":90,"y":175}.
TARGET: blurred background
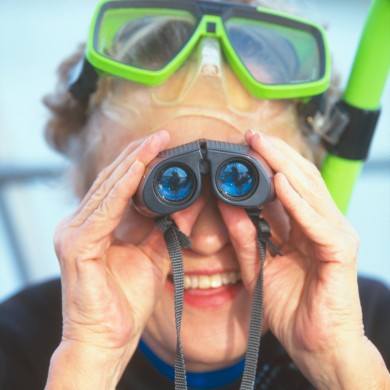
{"x":34,"y":195}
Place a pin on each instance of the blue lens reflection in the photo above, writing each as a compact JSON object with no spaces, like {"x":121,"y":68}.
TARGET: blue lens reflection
{"x":174,"y":184}
{"x":236,"y":179}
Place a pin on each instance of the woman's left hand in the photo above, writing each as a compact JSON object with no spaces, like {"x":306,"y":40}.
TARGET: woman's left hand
{"x":311,"y":294}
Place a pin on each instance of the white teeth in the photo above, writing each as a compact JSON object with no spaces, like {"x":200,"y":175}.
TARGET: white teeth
{"x":204,"y":282}
{"x":187,"y":283}
{"x":194,"y":283}
{"x":213,"y":281}
{"x":216,"y":281}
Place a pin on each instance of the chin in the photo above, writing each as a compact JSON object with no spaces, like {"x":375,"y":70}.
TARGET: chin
{"x":215,"y":351}
{"x":212,"y":338}
{"x":215,"y":339}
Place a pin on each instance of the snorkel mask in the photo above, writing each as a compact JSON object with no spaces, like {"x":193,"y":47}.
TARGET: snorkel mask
{"x":274,"y":56}
{"x":236,"y":55}
{"x":164,"y":60}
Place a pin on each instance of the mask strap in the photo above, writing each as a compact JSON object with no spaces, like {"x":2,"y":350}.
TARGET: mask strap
{"x":175,"y":239}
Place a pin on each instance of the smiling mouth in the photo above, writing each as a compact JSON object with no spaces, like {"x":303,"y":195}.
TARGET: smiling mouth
{"x":204,"y":282}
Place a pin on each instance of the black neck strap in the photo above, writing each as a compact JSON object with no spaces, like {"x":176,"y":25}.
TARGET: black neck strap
{"x":175,"y":239}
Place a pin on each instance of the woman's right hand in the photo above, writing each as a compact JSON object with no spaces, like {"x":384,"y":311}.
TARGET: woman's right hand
{"x":109,"y":288}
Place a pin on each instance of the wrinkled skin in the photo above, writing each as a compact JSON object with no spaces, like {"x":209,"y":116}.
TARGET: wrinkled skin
{"x":114,"y":265}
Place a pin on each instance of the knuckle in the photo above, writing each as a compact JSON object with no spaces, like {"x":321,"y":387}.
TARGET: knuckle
{"x":65,"y":239}
{"x":60,"y":234}
{"x":102,"y":175}
{"x":103,"y":211}
{"x":314,"y":187}
{"x":348,"y":242}
{"x":350,"y":236}
{"x":316,"y":183}
{"x":313,"y":171}
{"x":62,"y":244}
{"x":354,"y":238}
{"x":102,"y":190}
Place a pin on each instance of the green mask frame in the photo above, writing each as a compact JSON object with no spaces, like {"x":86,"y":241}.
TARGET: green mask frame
{"x":304,"y":56}
{"x":360,"y":102}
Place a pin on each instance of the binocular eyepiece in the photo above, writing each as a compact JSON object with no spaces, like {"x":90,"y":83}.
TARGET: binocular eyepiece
{"x":172,"y":181}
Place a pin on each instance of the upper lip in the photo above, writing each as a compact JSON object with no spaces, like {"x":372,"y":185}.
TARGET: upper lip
{"x":221,"y":262}
{"x":206,"y":272}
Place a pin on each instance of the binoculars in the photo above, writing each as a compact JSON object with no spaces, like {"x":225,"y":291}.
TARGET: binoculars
{"x":173,"y":180}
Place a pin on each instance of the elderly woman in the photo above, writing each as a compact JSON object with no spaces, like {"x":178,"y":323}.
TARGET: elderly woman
{"x":156,"y":75}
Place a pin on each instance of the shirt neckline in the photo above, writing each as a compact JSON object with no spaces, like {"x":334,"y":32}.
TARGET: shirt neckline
{"x":195,"y":380}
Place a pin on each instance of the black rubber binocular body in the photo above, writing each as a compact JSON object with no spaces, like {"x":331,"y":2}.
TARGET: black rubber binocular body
{"x":173,"y":180}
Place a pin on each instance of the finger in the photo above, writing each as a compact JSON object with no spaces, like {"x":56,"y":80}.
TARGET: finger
{"x":89,"y":239}
{"x":106,"y":216}
{"x":301,"y":174}
{"x":88,"y":233}
{"x":242,"y":234}
{"x":144,"y":149}
{"x":279,"y":221}
{"x":141,"y":271}
{"x":155,"y":249}
{"x":114,"y":172}
{"x":268,"y":143}
{"x":338,"y":247}
{"x":283,"y":158}
{"x":107,"y":171}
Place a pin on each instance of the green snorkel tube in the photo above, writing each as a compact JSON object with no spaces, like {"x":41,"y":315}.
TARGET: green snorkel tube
{"x":361,"y":102}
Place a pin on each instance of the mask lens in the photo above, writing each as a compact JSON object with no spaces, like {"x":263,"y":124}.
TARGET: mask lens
{"x":174,"y":184}
{"x":274,"y":53}
{"x":143,"y":38}
{"x":236,"y":179}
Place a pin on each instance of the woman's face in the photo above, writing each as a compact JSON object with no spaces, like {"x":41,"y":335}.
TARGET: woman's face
{"x":216,"y":305}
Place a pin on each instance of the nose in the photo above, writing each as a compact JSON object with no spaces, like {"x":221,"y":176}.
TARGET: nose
{"x":203,"y":223}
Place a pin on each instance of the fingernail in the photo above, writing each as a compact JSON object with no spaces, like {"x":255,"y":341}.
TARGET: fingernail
{"x":249,"y":133}
{"x":161,"y":132}
{"x":147,"y":140}
{"x":152,"y":140}
{"x":257,"y":137}
{"x":264,"y":139}
{"x":158,"y":134}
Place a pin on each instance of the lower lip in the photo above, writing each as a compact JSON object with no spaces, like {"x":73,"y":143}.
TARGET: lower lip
{"x":210,"y":297}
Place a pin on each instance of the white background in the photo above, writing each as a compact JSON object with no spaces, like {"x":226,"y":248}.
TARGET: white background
{"x":36,"y":35}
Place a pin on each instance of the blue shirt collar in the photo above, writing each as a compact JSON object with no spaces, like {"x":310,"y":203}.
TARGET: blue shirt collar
{"x":196,"y":380}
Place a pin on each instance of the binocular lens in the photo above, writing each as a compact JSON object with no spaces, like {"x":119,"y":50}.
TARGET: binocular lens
{"x":174,"y":183}
{"x":236,"y":179}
